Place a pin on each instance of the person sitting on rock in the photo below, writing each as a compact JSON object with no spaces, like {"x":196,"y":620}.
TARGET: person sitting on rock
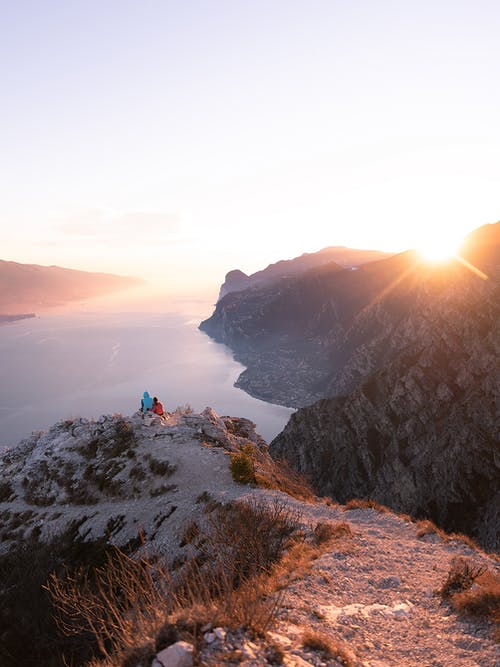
{"x":146,"y":403}
{"x":158,"y":407}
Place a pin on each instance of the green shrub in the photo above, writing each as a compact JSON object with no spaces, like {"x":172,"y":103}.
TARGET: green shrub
{"x":243,"y":466}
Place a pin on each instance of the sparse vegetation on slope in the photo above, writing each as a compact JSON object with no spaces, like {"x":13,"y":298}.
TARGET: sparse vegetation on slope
{"x":225,"y":582}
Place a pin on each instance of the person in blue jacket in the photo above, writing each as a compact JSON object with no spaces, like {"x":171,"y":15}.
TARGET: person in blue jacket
{"x":146,"y":403}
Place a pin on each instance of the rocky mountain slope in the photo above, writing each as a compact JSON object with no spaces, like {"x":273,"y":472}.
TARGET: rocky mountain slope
{"x":421,"y":434}
{"x":319,"y":334}
{"x":356,"y":586}
{"x":237,"y":281}
{"x":28,"y":287}
{"x":407,"y":354}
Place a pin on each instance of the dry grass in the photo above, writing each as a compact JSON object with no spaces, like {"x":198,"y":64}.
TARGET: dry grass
{"x":190,"y":533}
{"x":366,"y":503}
{"x":474,"y":591}
{"x":131,"y":601}
{"x":461,"y":576}
{"x":428,"y":527}
{"x":465,"y":539}
{"x":325,"y":532}
{"x":482,"y":599}
{"x":328,"y":647}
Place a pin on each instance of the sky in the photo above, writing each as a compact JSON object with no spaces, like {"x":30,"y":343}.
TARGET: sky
{"x":176,"y":140}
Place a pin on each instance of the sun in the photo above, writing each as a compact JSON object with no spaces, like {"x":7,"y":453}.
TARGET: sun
{"x":438,"y":249}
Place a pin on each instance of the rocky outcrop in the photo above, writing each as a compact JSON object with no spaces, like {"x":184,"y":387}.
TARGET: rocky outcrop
{"x":236,"y":280}
{"x":116,"y":475}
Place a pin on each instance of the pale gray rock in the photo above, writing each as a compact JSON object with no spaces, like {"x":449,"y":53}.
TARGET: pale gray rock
{"x":179,"y":654}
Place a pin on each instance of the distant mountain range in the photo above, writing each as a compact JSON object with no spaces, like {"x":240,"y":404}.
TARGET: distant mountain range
{"x":237,"y":281}
{"x":405,"y":356}
{"x":30,"y":287}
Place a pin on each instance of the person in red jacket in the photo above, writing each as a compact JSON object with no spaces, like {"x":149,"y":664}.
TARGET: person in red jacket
{"x":158,"y":407}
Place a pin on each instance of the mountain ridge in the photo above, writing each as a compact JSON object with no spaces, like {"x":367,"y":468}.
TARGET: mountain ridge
{"x":29,"y":287}
{"x":236,"y":280}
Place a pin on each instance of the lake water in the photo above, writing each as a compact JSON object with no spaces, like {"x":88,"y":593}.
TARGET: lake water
{"x":64,"y":364}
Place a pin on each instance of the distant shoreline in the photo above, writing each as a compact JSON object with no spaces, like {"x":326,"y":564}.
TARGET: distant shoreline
{"x":4,"y":319}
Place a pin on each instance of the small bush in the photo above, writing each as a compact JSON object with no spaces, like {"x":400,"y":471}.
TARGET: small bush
{"x":242,"y":466}
{"x":473,"y":591}
{"x":461,"y":576}
{"x":227,"y":584}
{"x":325,"y":532}
{"x":161,"y":468}
{"x":277,"y":474}
{"x":482,"y":599}
{"x":328,"y":647}
{"x":204,"y":497}
{"x":137,"y":472}
{"x":318,"y":641}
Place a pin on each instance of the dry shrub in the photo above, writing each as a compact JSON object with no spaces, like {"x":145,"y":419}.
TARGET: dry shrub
{"x":118,"y":602}
{"x":365,"y":503}
{"x":324,"y":532}
{"x":328,"y":647}
{"x":130,"y":601}
{"x":482,"y":599}
{"x":473,"y":590}
{"x":428,"y":527}
{"x":295,"y":563}
{"x":461,"y":576}
{"x":247,"y":538}
{"x":318,"y":641}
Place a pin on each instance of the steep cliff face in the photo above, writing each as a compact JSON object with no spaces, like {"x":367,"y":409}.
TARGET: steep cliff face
{"x":421,"y":434}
